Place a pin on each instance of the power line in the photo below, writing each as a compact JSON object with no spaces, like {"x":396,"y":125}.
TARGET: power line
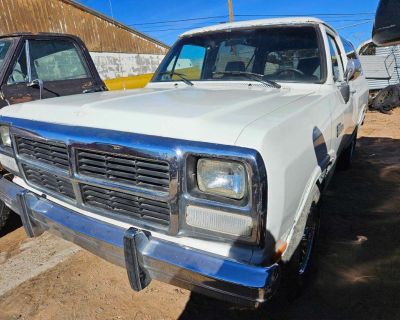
{"x":183,"y":28}
{"x":304,"y":15}
{"x":254,"y":15}
{"x":177,"y":27}
{"x":188,"y":24}
{"x":167,"y":21}
{"x":354,"y":25}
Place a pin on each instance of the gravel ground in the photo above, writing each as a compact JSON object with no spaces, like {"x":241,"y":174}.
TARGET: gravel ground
{"x":356,"y":268}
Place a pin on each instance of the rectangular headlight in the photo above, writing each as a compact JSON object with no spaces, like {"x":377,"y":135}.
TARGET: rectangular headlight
{"x":5,"y":136}
{"x":222,"y":178}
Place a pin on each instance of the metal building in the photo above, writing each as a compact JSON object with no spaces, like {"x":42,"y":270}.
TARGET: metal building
{"x":117,"y":50}
{"x":381,"y":65}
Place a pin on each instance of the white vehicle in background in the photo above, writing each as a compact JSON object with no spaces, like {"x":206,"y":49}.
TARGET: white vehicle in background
{"x":210,"y":177}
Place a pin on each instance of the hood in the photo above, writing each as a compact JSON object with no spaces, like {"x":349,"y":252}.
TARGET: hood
{"x":216,"y":115}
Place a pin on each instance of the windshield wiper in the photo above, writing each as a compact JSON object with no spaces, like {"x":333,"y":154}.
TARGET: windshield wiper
{"x":180,"y":75}
{"x":252,"y":76}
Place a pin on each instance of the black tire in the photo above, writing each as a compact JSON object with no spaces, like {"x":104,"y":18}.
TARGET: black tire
{"x":345,"y":160}
{"x":298,"y":269}
{"x":386,"y":99}
{"x":4,"y":214}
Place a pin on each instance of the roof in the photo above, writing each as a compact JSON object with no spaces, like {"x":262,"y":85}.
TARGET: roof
{"x":38,"y":34}
{"x":255,"y":23}
{"x":116,"y":23}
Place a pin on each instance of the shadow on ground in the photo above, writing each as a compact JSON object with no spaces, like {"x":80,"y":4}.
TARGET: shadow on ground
{"x":13,"y":223}
{"x":357,"y":266}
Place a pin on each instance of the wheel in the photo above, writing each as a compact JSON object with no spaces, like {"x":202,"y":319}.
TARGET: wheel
{"x":297,"y":270}
{"x":4,"y":214}
{"x":346,"y":158}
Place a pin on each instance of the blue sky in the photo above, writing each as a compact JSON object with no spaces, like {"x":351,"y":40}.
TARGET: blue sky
{"x":353,"y":19}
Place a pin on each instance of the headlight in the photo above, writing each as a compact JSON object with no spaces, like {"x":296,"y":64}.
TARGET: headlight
{"x":5,"y":136}
{"x":222,"y":178}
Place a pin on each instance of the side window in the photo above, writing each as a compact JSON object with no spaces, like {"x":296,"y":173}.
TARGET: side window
{"x":337,"y":63}
{"x":20,"y":70}
{"x":189,"y":63}
{"x":53,"y":60}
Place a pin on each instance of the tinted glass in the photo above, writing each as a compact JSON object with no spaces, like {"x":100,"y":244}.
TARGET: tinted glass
{"x":336,"y":59}
{"x":4,"y":47}
{"x":278,"y":53}
{"x":53,"y":60}
{"x":20,"y":70}
{"x":189,"y":62}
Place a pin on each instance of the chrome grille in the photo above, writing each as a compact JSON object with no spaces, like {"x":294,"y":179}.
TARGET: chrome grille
{"x":146,"y":173}
{"x":126,"y":204}
{"x":48,"y":181}
{"x":46,"y":152}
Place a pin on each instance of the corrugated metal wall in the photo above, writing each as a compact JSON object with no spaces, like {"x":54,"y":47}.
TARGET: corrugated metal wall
{"x":100,"y":33}
{"x":392,"y":51}
{"x":385,"y":60}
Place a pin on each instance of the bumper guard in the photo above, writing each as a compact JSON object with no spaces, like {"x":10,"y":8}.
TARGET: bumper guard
{"x":144,"y":256}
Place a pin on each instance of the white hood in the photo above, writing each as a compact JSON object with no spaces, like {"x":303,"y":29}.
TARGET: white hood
{"x":215,"y":115}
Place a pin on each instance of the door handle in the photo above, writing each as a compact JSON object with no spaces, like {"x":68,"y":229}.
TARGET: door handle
{"x":353,"y":91}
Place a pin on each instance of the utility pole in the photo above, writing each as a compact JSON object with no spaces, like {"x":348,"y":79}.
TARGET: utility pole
{"x":231,"y":18}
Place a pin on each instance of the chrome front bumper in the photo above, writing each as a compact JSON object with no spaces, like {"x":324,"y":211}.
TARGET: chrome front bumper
{"x":144,"y":256}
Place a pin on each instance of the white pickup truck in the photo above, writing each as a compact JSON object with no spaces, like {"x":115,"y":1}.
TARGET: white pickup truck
{"x":210,"y":177}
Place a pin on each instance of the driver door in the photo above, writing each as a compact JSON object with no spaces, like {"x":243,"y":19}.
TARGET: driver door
{"x":343,"y":105}
{"x":57,"y":62}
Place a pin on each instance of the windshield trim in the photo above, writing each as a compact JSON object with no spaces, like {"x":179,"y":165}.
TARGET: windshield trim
{"x":315,"y":26}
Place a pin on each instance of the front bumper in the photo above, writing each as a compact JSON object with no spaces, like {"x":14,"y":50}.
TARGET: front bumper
{"x":144,"y":256}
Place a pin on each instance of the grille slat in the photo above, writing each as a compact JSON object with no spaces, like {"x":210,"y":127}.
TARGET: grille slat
{"x":126,"y":204}
{"x":45,"y":152}
{"x":154,"y":166}
{"x":151,"y":174}
{"x":48,"y":181}
{"x":130,"y":170}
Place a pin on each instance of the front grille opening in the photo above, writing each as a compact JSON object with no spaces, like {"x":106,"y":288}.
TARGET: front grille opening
{"x":43,"y":151}
{"x":126,"y":204}
{"x":48,"y":181}
{"x":146,"y":173}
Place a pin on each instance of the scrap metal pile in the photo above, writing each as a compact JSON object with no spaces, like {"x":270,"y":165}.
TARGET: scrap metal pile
{"x":387,"y":99}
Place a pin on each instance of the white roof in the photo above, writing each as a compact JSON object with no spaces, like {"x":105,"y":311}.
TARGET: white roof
{"x":254,"y":23}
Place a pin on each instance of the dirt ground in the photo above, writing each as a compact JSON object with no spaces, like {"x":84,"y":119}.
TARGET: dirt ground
{"x":357,"y":266}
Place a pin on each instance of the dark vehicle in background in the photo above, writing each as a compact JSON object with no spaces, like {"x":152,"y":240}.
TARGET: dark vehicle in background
{"x":45,"y":65}
{"x":386,"y":29}
{"x":41,"y":66}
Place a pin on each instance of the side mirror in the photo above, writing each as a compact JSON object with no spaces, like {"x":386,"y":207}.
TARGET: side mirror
{"x":37,"y":83}
{"x":350,"y":72}
{"x":387,"y":27}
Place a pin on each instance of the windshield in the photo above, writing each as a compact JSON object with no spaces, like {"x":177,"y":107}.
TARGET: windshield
{"x":4,"y":47}
{"x":277,"y":53}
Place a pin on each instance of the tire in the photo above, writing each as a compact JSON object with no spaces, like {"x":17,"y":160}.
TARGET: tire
{"x":298,"y":269}
{"x":345,"y":160}
{"x":4,"y":214}
{"x":386,"y":99}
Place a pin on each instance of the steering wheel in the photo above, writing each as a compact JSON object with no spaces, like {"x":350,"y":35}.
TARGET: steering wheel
{"x":293,"y":70}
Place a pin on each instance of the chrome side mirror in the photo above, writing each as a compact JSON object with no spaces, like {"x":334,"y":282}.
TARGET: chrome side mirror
{"x":350,"y":71}
{"x":37,"y":83}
